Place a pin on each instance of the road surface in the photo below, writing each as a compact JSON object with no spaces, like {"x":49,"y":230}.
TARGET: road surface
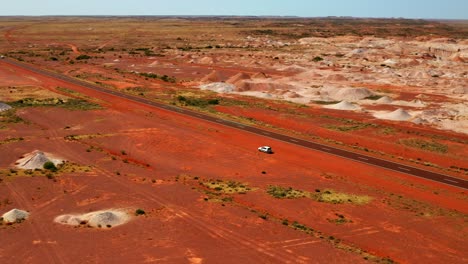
{"x":386,"y":164}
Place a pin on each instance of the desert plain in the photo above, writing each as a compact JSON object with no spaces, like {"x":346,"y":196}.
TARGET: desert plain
{"x":127,"y":182}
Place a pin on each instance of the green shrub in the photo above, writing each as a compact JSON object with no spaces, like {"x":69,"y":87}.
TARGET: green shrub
{"x":284,"y":193}
{"x":317,"y":59}
{"x":139,"y":212}
{"x":49,"y":165}
{"x":83,"y":57}
{"x":425,"y":145}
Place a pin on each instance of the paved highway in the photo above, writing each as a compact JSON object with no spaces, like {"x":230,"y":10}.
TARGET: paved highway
{"x":390,"y":165}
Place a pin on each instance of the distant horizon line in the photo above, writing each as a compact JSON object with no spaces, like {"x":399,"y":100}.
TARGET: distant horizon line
{"x":237,"y":16}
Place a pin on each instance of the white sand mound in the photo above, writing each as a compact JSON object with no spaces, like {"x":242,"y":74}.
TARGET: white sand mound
{"x":36,"y":160}
{"x":343,"y":105}
{"x":261,"y":85}
{"x":397,"y":115}
{"x":384,"y":100}
{"x":219,"y":87}
{"x":4,"y":107}
{"x":346,"y":94}
{"x":14,"y":216}
{"x":413,"y":103}
{"x":105,"y":219}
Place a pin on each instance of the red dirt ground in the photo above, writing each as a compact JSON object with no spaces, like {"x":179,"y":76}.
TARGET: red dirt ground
{"x":180,"y":226}
{"x":134,"y":156}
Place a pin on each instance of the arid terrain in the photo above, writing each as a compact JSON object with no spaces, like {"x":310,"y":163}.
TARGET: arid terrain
{"x":97,"y":178}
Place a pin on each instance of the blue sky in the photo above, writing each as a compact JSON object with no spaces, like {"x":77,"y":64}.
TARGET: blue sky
{"x":452,"y":9}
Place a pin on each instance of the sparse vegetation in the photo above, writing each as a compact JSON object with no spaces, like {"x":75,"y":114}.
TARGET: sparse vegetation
{"x":9,"y":116}
{"x":285,"y":193}
{"x":83,"y":57}
{"x":325,"y":102}
{"x":432,"y":146}
{"x":330,"y":196}
{"x":165,"y":78}
{"x":373,"y":97}
{"x":71,"y":104}
{"x":339,"y":220}
{"x":352,"y":127}
{"x":317,"y":59}
{"x":49,"y":165}
{"x":10,"y":140}
{"x":197,"y":102}
{"x":139,"y":212}
{"x":327,"y":196}
{"x":228,"y":187}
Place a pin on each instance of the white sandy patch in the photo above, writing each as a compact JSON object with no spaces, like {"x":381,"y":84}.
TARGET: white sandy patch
{"x":104,"y":218}
{"x":384,"y":100}
{"x":15,"y":215}
{"x":36,"y":160}
{"x":347,"y":94}
{"x":397,"y":115}
{"x":4,"y":107}
{"x":343,"y":105}
{"x":219,"y":87}
{"x":413,"y":103}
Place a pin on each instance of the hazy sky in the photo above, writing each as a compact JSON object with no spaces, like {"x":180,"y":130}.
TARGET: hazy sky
{"x":454,"y":9}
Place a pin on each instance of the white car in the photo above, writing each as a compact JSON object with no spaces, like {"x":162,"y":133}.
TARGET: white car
{"x":265,"y":149}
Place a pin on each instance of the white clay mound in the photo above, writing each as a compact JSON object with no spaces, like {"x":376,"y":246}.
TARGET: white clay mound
{"x":4,"y":107}
{"x":384,"y":100}
{"x":348,"y":94}
{"x":15,"y":215}
{"x":219,"y":87}
{"x":105,"y":219}
{"x":343,"y":105}
{"x":36,"y":160}
{"x":397,"y":115}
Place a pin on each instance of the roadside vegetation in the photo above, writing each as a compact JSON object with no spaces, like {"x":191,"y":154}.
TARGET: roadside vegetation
{"x":164,"y":78}
{"x":326,"y":196}
{"x":432,"y":146}
{"x":49,"y":170}
{"x":71,"y":104}
{"x":9,"y":116}
{"x":227,"y":187}
{"x":197,"y":102}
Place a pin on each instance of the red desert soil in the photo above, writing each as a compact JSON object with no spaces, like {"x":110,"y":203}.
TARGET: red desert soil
{"x":179,"y":224}
{"x":130,"y":156}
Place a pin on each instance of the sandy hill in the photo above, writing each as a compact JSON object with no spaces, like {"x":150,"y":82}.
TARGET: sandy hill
{"x":343,"y":105}
{"x":36,"y":160}
{"x":397,"y":115}
{"x":15,"y":215}
{"x":4,"y":107}
{"x":105,"y":218}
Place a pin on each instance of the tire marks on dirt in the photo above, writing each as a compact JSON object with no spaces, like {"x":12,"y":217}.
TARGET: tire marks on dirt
{"x":228,"y":235}
{"x":50,"y":253}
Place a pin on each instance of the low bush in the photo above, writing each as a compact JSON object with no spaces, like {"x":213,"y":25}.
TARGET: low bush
{"x":139,"y":212}
{"x":49,"y":165}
